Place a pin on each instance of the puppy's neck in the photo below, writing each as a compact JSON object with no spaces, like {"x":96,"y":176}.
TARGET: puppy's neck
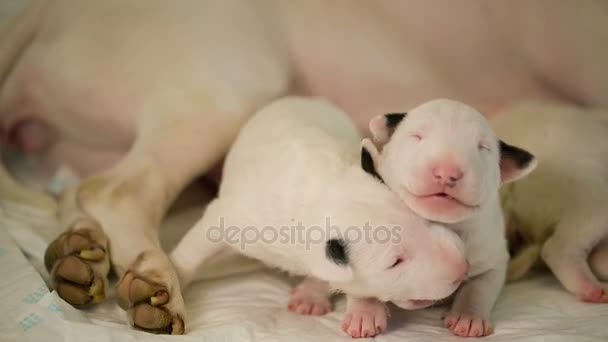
{"x":358,"y":189}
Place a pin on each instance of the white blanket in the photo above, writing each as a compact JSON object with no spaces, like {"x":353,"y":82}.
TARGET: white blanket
{"x":244,"y":302}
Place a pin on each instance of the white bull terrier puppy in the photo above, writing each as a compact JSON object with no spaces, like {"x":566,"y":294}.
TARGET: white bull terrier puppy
{"x":297,"y":163}
{"x":558,"y":213}
{"x":140,"y":98}
{"x":446,"y":163}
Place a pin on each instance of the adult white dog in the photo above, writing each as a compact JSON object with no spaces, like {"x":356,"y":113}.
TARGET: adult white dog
{"x":141,"y":97}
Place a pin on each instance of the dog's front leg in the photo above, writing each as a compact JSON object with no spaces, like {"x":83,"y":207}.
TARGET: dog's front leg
{"x":365,"y":317}
{"x":470,"y":312}
{"x":198,"y":245}
{"x":120,"y":210}
{"x":311,"y":297}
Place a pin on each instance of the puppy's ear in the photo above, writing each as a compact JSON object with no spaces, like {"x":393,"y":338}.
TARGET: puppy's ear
{"x":383,"y":126}
{"x":369,"y":158}
{"x":515,"y":163}
{"x":333,"y":265}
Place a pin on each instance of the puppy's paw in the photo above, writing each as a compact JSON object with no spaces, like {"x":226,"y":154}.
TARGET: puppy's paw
{"x":366,"y":318}
{"x":150,"y":293}
{"x":306,"y":302}
{"x":79,"y":263}
{"x":468,"y":325}
{"x":593,"y":293}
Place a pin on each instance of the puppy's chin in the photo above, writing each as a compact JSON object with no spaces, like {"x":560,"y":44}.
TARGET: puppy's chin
{"x":438,"y":209}
{"x":413,"y":304}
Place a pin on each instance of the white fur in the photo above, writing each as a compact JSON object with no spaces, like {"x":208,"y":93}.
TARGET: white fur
{"x":297,"y":160}
{"x":559,"y":211}
{"x":445,"y":132}
{"x":157,"y":97}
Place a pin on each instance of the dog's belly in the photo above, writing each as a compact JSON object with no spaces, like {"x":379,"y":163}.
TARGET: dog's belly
{"x":368,"y":57}
{"x":387,"y":56}
{"x":97,"y":71}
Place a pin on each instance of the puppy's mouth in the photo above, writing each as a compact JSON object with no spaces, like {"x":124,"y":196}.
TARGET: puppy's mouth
{"x":440,"y":200}
{"x":445,"y":197}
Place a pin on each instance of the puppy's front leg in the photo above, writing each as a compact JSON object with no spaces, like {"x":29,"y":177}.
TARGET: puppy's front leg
{"x":470,"y":312}
{"x":365,"y":317}
{"x":197,"y":246}
{"x":311,"y":297}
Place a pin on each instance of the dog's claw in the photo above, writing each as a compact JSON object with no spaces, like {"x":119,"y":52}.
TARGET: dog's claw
{"x":177,"y":326}
{"x":147,"y":302}
{"x":97,"y":291}
{"x":162,"y":297}
{"x":94,"y":254}
{"x":141,"y":290}
{"x":78,"y":264}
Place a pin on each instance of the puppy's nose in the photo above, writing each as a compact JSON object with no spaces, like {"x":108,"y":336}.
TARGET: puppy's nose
{"x":447,"y":173}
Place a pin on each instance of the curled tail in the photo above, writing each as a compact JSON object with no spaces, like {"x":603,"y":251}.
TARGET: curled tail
{"x":13,"y":41}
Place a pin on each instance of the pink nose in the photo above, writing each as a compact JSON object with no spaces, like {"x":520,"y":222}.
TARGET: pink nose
{"x":447,"y":174}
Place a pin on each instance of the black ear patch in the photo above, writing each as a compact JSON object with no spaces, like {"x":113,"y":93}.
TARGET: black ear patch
{"x":519,"y":156}
{"x":393,"y":119}
{"x":367,"y":164}
{"x":336,"y":251}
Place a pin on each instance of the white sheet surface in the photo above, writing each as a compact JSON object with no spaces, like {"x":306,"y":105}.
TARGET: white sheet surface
{"x":251,"y":306}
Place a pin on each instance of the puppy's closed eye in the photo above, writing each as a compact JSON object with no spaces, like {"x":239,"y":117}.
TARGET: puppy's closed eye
{"x":483,"y":146}
{"x":416,"y":136}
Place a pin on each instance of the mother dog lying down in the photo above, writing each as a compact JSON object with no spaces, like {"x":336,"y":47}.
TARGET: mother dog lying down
{"x":141,"y":97}
{"x":298,"y":162}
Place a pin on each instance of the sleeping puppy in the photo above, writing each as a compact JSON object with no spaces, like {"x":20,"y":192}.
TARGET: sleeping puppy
{"x":559,"y":212}
{"x":445,"y":162}
{"x":140,"y":98}
{"x":295,"y":196}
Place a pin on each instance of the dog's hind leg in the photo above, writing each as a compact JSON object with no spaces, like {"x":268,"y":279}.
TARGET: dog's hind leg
{"x":567,"y":252}
{"x":183,"y":107}
{"x":78,"y":260}
{"x":120,"y":210}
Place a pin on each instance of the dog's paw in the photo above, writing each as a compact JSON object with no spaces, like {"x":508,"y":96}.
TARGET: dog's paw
{"x":468,"y":325}
{"x":78,"y":263}
{"x":593,"y":293}
{"x":150,"y":293}
{"x":305,"y":301}
{"x":366,"y":318}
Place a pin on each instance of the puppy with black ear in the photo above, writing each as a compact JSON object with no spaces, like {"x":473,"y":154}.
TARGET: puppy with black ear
{"x":558,"y":215}
{"x":295,"y":196}
{"x":446,"y":163}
